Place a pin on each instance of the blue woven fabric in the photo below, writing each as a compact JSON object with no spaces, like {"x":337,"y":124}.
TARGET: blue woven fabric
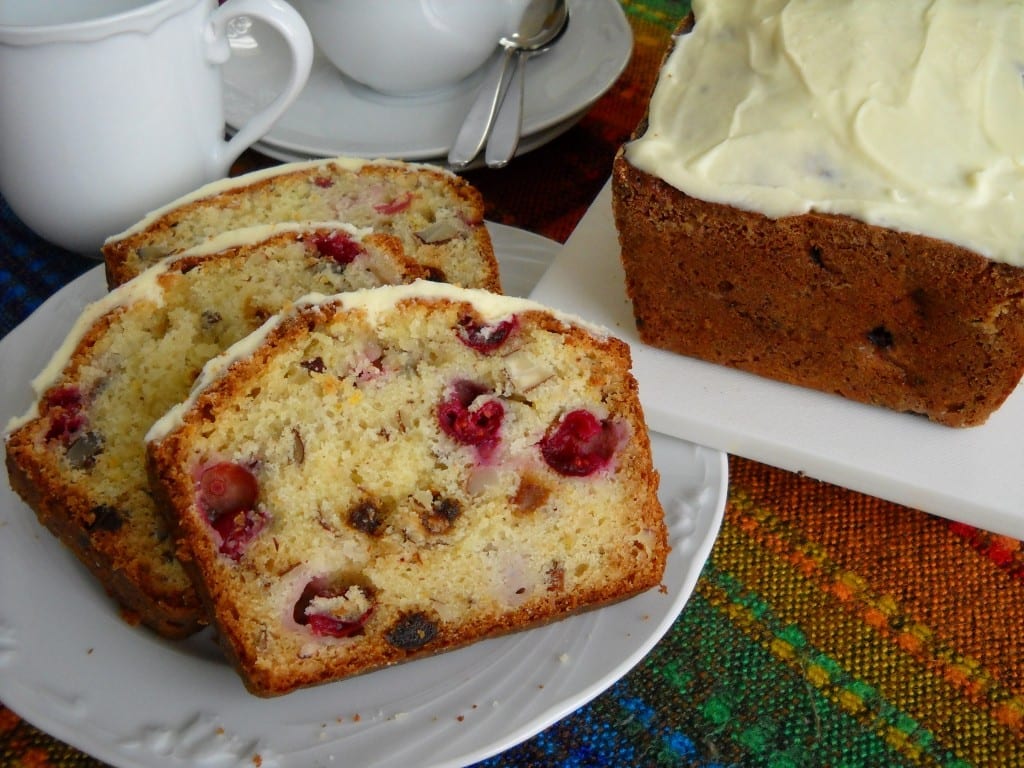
{"x":31,"y":269}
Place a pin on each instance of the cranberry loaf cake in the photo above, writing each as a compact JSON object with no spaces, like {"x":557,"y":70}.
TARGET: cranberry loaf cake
{"x":822,"y":195}
{"x":401,"y":471}
{"x":78,"y":457}
{"x":438,"y":216}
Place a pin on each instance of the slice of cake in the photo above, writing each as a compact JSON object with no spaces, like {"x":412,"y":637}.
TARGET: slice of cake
{"x":401,"y":471}
{"x":822,"y":194}
{"x":78,"y":457}
{"x":438,"y":216}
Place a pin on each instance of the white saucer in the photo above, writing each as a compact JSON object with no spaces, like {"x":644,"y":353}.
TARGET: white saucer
{"x":526,"y":144}
{"x":336,"y":116}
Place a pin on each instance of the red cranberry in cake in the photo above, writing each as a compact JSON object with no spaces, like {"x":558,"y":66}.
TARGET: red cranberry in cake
{"x":237,"y":529}
{"x":580,"y":444}
{"x":65,"y":397}
{"x":486,"y":338}
{"x":65,"y":425}
{"x":333,"y":609}
{"x":67,"y":419}
{"x":397,"y":205}
{"x":227,"y":487}
{"x":338,"y":246}
{"x":477,"y":426}
{"x":227,"y":496}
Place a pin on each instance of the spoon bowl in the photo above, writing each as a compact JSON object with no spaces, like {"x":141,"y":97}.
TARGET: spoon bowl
{"x":542,"y":22}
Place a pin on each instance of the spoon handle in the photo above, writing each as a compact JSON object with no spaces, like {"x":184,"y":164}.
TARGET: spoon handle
{"x":508,"y":125}
{"x":477,"y":125}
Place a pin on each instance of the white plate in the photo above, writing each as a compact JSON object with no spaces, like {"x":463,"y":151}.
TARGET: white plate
{"x":336,"y":116}
{"x":69,"y":665}
{"x":971,"y":475}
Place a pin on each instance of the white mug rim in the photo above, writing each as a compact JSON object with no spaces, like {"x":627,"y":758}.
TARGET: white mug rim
{"x":143,"y":18}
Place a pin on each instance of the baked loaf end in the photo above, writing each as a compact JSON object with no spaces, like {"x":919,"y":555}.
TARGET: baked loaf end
{"x":404,"y":471}
{"x":438,"y":216}
{"x":78,"y":457}
{"x":824,"y":301}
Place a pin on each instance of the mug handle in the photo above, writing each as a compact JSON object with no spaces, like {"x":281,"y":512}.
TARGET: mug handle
{"x":287,"y":21}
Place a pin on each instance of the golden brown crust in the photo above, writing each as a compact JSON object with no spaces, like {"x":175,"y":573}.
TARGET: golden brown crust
{"x":893,"y":319}
{"x":144,"y":599}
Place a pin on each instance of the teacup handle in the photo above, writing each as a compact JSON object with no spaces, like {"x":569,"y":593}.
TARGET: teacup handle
{"x":287,"y":21}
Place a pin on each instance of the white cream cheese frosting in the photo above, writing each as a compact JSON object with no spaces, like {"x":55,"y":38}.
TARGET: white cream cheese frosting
{"x":908,"y":115}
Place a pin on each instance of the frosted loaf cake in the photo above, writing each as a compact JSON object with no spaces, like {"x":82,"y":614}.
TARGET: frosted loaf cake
{"x":401,"y":471}
{"x":822,"y":194}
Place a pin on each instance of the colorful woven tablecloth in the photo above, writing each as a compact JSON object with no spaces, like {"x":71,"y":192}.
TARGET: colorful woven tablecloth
{"x":828,"y":628}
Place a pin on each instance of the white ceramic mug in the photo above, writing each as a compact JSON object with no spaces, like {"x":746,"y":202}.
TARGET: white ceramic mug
{"x":406,"y":47}
{"x":110,"y":108}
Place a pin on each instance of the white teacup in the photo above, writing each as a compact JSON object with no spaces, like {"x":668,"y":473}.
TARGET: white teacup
{"x":405,"y":47}
{"x":110,"y":108}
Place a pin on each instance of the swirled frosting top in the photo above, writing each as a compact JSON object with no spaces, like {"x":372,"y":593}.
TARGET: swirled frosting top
{"x":908,"y":115}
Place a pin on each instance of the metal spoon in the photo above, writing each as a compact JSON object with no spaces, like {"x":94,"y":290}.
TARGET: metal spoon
{"x":541,"y":22}
{"x":508,"y":125}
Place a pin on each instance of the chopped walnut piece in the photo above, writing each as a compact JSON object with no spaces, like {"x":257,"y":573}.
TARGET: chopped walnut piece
{"x":438,"y":232}
{"x":530,"y":495}
{"x":526,"y":371}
